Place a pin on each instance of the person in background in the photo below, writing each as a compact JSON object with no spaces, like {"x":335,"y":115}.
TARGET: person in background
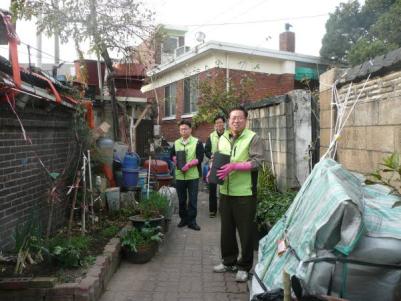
{"x":238,"y":194}
{"x":187,"y":179}
{"x":210,"y":149}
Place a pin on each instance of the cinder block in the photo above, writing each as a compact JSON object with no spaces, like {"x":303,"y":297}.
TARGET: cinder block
{"x":380,"y":138}
{"x":389,"y":112}
{"x":353,"y":137}
{"x":366,"y":113}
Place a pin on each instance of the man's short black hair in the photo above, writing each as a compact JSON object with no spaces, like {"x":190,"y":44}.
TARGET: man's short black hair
{"x":185,"y":122}
{"x":239,"y":108}
{"x":219,"y":117}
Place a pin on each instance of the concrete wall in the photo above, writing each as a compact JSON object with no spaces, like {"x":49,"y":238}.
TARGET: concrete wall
{"x":373,"y":130}
{"x":23,"y":182}
{"x":289,"y":123}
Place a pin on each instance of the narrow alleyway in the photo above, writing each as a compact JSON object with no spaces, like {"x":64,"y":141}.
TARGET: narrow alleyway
{"x":182,"y":270}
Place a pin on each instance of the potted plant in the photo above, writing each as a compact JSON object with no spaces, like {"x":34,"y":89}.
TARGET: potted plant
{"x":152,"y":210}
{"x":139,"y":245}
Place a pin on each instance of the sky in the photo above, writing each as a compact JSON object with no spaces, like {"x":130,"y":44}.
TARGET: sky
{"x":258,"y":23}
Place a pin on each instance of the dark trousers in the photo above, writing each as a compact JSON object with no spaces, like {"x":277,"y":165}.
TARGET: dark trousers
{"x":187,"y":189}
{"x":237,"y":213}
{"x":212,"y":198}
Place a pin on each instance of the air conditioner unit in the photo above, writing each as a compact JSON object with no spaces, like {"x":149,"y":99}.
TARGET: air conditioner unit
{"x":181,"y":50}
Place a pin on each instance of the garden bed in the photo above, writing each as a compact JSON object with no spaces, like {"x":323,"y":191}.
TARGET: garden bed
{"x":48,"y":281}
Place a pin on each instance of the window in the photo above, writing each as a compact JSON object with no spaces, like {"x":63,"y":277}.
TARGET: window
{"x":170,"y":44}
{"x":190,"y":94}
{"x":170,"y":97}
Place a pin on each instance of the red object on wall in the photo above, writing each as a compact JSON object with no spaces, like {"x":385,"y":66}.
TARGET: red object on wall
{"x":90,"y":117}
{"x":91,"y":65}
{"x":108,"y":172}
{"x":157,"y":166}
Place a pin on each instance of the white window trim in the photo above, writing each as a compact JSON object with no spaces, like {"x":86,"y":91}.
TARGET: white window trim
{"x":169,"y":117}
{"x":189,"y":115}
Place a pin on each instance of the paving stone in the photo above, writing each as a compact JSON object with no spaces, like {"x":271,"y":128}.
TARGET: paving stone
{"x":182,"y":269}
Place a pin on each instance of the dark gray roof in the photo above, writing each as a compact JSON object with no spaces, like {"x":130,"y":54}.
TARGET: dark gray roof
{"x":267,"y":102}
{"x":381,"y":64}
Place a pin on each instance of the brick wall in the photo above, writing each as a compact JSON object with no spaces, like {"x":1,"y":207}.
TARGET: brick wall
{"x":265,"y":85}
{"x":373,"y":130}
{"x":23,"y":182}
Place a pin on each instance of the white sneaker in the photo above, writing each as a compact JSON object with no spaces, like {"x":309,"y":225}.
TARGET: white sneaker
{"x":221,"y":268}
{"x":242,"y":276}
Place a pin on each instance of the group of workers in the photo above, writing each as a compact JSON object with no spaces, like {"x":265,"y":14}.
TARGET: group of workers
{"x":237,"y":201}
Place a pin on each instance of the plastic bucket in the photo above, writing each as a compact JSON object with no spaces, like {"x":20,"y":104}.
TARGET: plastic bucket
{"x":113,"y":198}
{"x":131,"y":161}
{"x":130,"y":177}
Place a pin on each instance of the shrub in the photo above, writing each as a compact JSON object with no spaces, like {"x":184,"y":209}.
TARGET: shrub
{"x":134,"y":238}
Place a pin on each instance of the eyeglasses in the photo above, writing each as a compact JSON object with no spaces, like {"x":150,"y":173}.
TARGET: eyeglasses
{"x":237,"y":118}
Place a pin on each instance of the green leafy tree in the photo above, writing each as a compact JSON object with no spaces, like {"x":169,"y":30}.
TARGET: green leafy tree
{"x":217,"y":95}
{"x":356,"y":33}
{"x":106,"y":25}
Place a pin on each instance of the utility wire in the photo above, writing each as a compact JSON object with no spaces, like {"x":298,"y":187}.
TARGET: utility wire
{"x":259,"y":21}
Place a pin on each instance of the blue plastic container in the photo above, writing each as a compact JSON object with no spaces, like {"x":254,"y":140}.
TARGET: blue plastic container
{"x":130,"y":177}
{"x":131,"y":161}
{"x":130,"y":169}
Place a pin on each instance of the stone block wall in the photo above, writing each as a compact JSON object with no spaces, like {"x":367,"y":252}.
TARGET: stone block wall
{"x":288,"y":121}
{"x":23,"y":181}
{"x":373,"y":130}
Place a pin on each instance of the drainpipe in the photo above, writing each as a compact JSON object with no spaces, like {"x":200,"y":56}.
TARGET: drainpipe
{"x":56,"y":41}
{"x":39,"y":47}
{"x":227,"y":74}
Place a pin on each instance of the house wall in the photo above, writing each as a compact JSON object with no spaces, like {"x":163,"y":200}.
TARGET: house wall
{"x":373,"y":130}
{"x":23,"y":181}
{"x":265,"y":85}
{"x":289,"y":125}
{"x":238,"y":62}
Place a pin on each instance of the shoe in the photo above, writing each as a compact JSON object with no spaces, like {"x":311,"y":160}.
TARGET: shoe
{"x":212,"y":214}
{"x":181,"y":224}
{"x":194,"y":227}
{"x":242,"y":276}
{"x":221,"y":268}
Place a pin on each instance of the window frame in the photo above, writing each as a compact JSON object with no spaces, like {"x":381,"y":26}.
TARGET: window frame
{"x":191,"y":94}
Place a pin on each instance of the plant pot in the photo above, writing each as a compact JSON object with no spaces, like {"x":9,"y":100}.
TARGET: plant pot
{"x":138,"y":221}
{"x":144,"y":253}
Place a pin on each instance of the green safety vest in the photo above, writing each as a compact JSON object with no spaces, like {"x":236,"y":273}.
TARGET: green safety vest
{"x":214,"y":138}
{"x":190,"y":154}
{"x":237,"y":183}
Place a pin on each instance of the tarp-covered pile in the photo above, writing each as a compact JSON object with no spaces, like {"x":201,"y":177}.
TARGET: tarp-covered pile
{"x":343,"y":237}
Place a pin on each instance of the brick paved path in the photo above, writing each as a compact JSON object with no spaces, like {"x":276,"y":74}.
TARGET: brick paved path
{"x":182,"y":270}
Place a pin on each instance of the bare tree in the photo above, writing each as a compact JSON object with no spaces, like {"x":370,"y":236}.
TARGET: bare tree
{"x":106,"y":25}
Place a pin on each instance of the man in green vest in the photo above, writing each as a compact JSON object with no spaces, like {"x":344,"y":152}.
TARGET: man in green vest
{"x":187,"y":179}
{"x":238,"y":194}
{"x":210,"y":149}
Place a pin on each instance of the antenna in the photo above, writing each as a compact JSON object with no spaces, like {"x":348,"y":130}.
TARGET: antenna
{"x":200,"y":36}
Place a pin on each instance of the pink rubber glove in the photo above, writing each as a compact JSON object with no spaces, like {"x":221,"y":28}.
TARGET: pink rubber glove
{"x":207,"y":176}
{"x":175,"y":160}
{"x":226,"y":169}
{"x":190,"y":164}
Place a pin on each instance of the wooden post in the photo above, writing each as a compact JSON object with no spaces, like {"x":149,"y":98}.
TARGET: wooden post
{"x":287,"y":286}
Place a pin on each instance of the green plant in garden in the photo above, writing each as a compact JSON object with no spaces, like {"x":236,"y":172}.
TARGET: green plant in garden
{"x":272,"y":204}
{"x":69,"y":253}
{"x":153,"y":206}
{"x":29,"y":244}
{"x":135,"y":238}
{"x":389,"y":174}
{"x":109,"y":231}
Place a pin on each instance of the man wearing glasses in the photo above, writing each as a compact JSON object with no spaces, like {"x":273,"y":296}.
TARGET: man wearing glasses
{"x":238,"y":194}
